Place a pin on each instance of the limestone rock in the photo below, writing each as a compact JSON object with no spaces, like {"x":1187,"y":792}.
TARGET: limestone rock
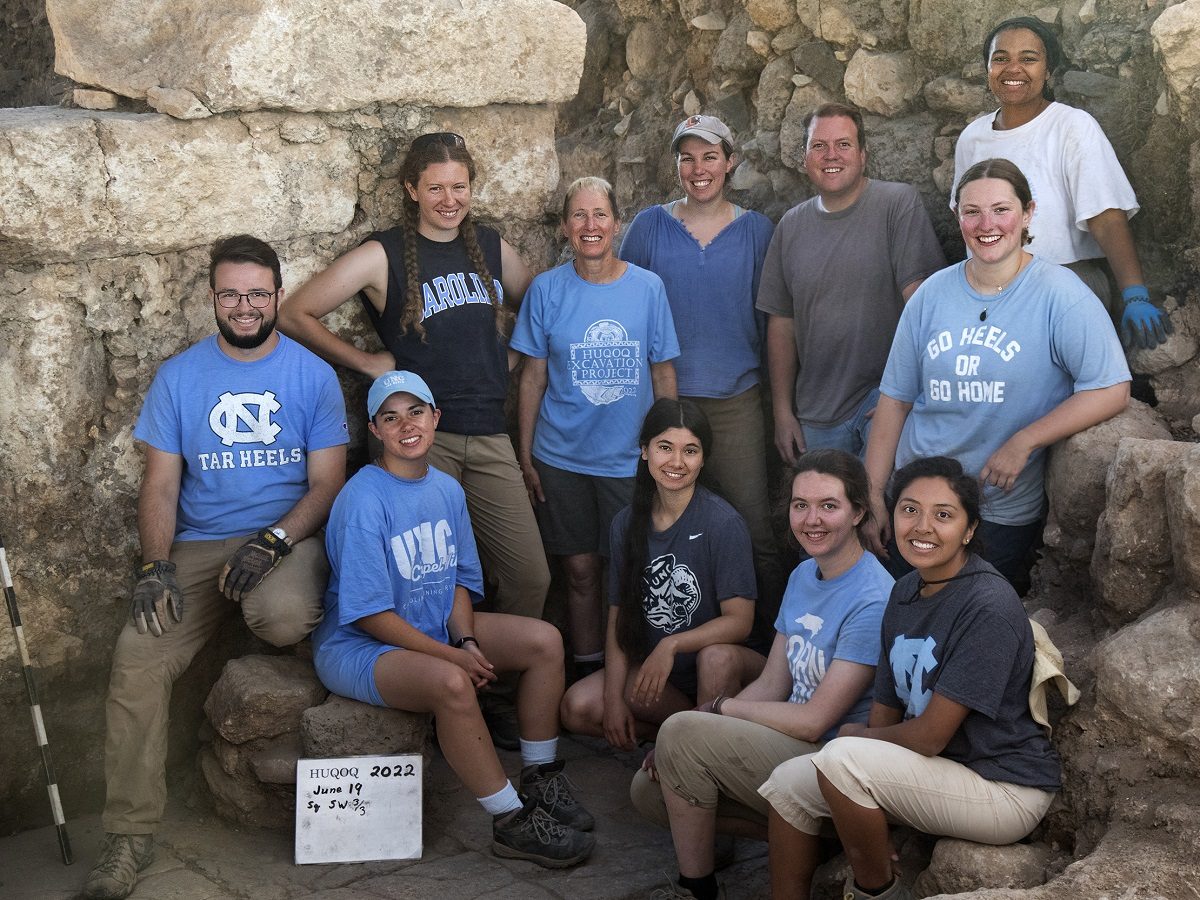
{"x":177,"y":103}
{"x":262,"y":696}
{"x":947,"y":93}
{"x":275,"y":761}
{"x":1183,"y":517}
{"x":883,"y":83}
{"x":1148,"y":674}
{"x":89,"y":99}
{"x":952,"y":32}
{"x":643,"y":49}
{"x":772,"y":14}
{"x":759,"y":42}
{"x":1076,"y":474}
{"x":1131,"y":563}
{"x":817,"y":59}
{"x":901,"y":149}
{"x":790,"y":38}
{"x":80,"y":185}
{"x":343,"y":727}
{"x":308,"y":55}
{"x":243,"y":799}
{"x":774,"y":91}
{"x":959,"y":866}
{"x":734,"y":56}
{"x":1176,"y":35}
{"x":710,"y":21}
{"x":849,"y":23}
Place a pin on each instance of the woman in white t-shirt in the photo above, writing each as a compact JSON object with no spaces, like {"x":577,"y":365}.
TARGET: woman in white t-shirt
{"x":1083,"y":198}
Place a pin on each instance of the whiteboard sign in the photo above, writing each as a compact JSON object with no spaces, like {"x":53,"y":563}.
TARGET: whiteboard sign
{"x":358,"y":808}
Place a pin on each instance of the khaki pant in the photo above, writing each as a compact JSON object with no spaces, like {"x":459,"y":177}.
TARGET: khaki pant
{"x":929,"y":793}
{"x":506,"y":532}
{"x":714,"y":762}
{"x":282,"y":610}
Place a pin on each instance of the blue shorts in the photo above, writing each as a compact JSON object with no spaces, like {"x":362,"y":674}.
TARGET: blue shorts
{"x":347,"y":666}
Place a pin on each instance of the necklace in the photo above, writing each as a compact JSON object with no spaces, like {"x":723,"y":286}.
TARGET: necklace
{"x":998,"y":289}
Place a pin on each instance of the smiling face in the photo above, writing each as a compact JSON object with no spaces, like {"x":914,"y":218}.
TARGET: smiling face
{"x":674,"y":459}
{"x":443,"y":194}
{"x":931,"y":528}
{"x":405,"y":425}
{"x":1017,"y":68}
{"x":834,"y":161}
{"x":991,"y":219}
{"x":823,"y":520}
{"x":702,"y":169}
{"x":245,"y":327}
{"x":590,"y":224}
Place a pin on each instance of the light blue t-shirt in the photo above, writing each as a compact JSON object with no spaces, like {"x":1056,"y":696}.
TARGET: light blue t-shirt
{"x":244,"y":430}
{"x":974,"y":384}
{"x":599,"y":341}
{"x":711,"y":290}
{"x":835,"y":619}
{"x":393,"y":544}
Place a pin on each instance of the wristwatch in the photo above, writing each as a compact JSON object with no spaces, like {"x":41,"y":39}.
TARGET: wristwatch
{"x":281,"y":534}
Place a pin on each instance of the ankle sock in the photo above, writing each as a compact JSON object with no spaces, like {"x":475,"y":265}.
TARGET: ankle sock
{"x":704,"y":888}
{"x":503,"y":801}
{"x":534,"y":753}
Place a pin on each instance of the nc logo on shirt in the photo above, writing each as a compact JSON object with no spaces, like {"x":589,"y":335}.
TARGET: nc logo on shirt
{"x":245,"y":418}
{"x":672,"y":594}
{"x":425,"y":550}
{"x":606,"y":365}
{"x":912,"y":659}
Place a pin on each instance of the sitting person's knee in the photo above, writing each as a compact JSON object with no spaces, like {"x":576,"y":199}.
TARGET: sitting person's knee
{"x":718,"y":660}
{"x":579,"y":710}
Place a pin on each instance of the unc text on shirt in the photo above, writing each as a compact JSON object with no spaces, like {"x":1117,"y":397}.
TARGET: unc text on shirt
{"x":249,"y":459}
{"x":967,"y":364}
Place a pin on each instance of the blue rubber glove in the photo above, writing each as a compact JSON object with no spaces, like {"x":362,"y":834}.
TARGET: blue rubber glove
{"x":1143,"y":324}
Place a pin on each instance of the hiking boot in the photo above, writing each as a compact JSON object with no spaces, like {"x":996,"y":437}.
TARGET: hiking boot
{"x":122,"y":856}
{"x":531,"y":833}
{"x":551,"y":790}
{"x":895,"y":891}
{"x":501,"y":723}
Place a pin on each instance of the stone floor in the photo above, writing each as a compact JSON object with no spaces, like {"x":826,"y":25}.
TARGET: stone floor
{"x":202,"y":857}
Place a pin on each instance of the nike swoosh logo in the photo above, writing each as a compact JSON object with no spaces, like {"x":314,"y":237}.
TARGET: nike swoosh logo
{"x":692,"y":537}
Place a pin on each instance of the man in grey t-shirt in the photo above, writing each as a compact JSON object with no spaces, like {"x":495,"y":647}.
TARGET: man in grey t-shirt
{"x":838,"y":271}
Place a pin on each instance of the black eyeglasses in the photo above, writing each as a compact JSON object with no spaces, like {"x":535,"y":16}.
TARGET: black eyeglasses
{"x":446,"y":138}
{"x":257,"y":299}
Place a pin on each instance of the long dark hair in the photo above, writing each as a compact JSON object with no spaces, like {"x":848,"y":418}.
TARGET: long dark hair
{"x":424,"y":153}
{"x":663,"y":415}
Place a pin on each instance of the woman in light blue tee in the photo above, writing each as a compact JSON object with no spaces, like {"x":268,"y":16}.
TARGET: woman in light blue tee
{"x":994,"y":360}
{"x":598,"y":340}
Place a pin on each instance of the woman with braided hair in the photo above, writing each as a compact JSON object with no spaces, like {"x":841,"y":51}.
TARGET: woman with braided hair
{"x":442,"y":293}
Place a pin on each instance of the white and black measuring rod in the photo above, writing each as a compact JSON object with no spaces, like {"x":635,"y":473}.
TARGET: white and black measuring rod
{"x":39,"y":726}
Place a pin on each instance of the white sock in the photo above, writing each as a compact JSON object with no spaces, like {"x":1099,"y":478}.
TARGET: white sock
{"x":503,"y":801}
{"x":598,"y":656}
{"x":534,"y":753}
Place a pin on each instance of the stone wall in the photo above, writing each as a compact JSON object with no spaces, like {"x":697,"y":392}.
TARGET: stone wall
{"x":106,"y":214}
{"x":286,"y":122}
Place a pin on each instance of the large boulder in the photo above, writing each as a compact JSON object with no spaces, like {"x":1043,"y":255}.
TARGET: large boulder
{"x":262,"y":697}
{"x":1176,"y":35}
{"x":309,"y":55}
{"x":1076,"y":473}
{"x":959,"y":866}
{"x":76,"y":184}
{"x":344,"y":727}
{"x":1131,"y":563}
{"x":1183,"y":518}
{"x":886,"y":84}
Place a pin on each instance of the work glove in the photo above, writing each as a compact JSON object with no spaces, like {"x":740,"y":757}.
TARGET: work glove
{"x":251,"y":563}
{"x":155,"y":594}
{"x":1143,"y":324}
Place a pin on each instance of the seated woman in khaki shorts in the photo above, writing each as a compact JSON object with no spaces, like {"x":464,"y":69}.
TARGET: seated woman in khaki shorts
{"x":707,"y":768}
{"x":950,"y":747}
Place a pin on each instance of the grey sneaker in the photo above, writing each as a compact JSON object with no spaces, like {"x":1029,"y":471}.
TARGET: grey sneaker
{"x":551,"y":789}
{"x":531,"y":833}
{"x":897,"y":890}
{"x":673,"y":891}
{"x":122,"y":856}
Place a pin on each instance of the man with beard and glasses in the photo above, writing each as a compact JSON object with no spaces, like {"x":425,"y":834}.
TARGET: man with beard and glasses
{"x":245,"y":442}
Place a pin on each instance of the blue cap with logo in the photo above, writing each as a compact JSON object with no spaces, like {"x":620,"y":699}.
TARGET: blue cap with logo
{"x":396,"y":382}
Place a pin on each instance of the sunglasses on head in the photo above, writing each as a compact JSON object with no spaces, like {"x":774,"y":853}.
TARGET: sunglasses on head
{"x":446,"y":138}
